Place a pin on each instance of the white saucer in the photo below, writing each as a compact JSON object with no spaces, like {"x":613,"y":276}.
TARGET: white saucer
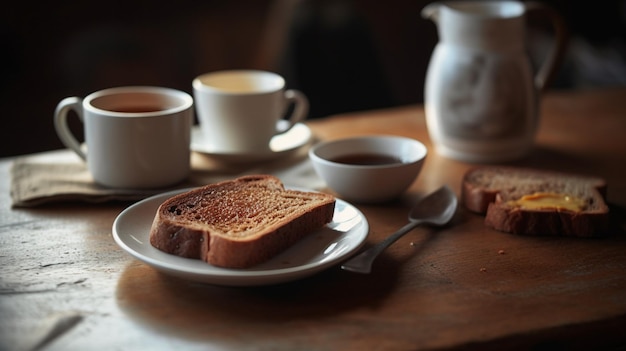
{"x":280,"y":145}
{"x":318,"y":251}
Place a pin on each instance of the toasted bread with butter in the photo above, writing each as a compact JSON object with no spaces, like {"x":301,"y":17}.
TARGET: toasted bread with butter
{"x":238,"y":223}
{"x":537,"y":202}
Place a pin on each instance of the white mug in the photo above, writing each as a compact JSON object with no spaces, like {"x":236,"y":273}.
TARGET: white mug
{"x":241,"y":110}
{"x":136,"y":137}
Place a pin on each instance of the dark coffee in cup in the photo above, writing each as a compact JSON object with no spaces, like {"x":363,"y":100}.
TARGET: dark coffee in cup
{"x":137,"y":109}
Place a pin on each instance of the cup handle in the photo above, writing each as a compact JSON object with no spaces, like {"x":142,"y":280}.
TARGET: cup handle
{"x":63,"y":130}
{"x":547,"y":70}
{"x":300,"y":111}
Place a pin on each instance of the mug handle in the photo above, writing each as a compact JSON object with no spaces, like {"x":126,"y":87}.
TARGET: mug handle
{"x":301,"y":108}
{"x":546,"y":72}
{"x":63,"y":130}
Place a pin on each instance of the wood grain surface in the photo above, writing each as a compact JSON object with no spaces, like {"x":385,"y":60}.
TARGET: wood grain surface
{"x":66,"y":285}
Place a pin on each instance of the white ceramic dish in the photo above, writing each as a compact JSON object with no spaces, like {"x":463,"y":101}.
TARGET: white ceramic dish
{"x":280,"y":145}
{"x":322,"y":249}
{"x":369,"y":182}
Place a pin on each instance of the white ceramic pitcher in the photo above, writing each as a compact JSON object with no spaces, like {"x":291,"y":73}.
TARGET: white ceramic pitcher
{"x":481,"y":93}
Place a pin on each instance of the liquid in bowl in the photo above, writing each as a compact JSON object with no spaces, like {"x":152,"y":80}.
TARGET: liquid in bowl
{"x":366,"y":159}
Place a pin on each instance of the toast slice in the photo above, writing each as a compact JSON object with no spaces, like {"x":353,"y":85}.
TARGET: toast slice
{"x":238,"y":223}
{"x":537,"y":202}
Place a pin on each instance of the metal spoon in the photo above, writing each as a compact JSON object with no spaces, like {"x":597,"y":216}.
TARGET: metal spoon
{"x":435,"y":209}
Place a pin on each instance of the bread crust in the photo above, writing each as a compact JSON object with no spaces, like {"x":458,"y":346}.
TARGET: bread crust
{"x":482,"y":194}
{"x":178,"y":233}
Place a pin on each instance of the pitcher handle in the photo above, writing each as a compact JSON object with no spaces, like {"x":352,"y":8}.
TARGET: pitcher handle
{"x":546,"y":72}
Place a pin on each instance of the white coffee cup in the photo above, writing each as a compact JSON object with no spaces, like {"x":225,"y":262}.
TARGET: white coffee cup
{"x":136,"y":137}
{"x":241,"y":110}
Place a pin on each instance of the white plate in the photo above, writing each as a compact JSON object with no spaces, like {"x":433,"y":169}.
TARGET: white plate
{"x":318,"y":251}
{"x":280,"y":145}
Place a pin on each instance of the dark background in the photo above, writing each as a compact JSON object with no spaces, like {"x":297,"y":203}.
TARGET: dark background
{"x":345,"y":55}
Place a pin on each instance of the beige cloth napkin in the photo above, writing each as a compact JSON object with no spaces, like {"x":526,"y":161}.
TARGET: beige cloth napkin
{"x":60,"y":176}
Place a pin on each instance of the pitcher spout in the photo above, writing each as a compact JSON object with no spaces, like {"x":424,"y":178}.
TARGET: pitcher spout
{"x":431,"y":11}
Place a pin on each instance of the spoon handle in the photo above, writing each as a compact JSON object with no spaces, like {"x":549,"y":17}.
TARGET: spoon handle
{"x":362,"y":263}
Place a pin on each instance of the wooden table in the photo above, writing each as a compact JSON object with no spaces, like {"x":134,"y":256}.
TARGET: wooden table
{"x":65,"y":284}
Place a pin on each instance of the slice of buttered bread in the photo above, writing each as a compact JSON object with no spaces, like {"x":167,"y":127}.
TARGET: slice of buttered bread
{"x":238,"y":223}
{"x":537,"y":202}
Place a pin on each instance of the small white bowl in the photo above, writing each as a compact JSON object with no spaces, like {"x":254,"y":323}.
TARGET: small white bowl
{"x":369,"y":183}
